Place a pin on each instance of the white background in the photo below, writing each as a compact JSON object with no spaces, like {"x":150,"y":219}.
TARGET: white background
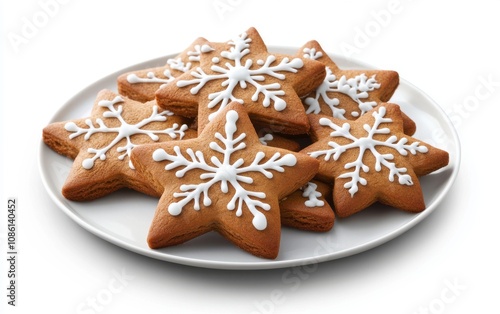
{"x":446,"y":264}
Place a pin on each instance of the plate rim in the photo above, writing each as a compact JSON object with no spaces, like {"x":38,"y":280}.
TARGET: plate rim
{"x":264,"y":264}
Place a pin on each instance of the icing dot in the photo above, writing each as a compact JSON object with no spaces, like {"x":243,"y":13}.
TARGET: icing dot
{"x":207,"y":202}
{"x":88,"y":163}
{"x":289,"y":160}
{"x":260,"y":62}
{"x":174,"y":209}
{"x":280,"y":104}
{"x":215,"y":60}
{"x":132,"y":78}
{"x":405,"y":180}
{"x":159,"y":155}
{"x":232,"y":116}
{"x":71,"y":126}
{"x":423,"y":149}
{"x":206,"y":48}
{"x":259,"y":222}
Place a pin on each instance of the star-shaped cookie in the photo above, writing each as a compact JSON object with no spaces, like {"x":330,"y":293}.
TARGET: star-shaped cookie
{"x":269,"y":85}
{"x":348,"y":94}
{"x":225,"y":180}
{"x":141,"y":85}
{"x":101,"y":144}
{"x":371,"y":159}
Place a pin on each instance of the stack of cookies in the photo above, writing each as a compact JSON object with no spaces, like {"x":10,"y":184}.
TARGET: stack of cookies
{"x":235,"y":139}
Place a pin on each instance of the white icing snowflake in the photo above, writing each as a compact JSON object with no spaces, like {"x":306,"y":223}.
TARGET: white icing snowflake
{"x":266,"y":138}
{"x":174,"y":63}
{"x":329,"y":84}
{"x":124,"y":131}
{"x":222,"y":171}
{"x":312,"y":53}
{"x":310,"y":192}
{"x":368,"y":143}
{"x":234,"y":73}
{"x":198,"y":50}
{"x":357,"y":88}
{"x":132,"y":78}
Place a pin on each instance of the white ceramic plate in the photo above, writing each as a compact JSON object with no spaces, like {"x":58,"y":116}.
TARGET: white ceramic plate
{"x":123,"y":218}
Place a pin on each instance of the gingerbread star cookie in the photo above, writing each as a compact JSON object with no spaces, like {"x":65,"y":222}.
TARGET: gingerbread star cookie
{"x":348,"y":94}
{"x":225,"y":180}
{"x":269,"y":85}
{"x":308,"y":208}
{"x":141,"y":85}
{"x":372,"y":160}
{"x":101,"y":144}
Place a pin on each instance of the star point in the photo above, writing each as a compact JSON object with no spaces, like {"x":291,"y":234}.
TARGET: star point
{"x":141,"y":85}
{"x":225,"y":180}
{"x":102,"y":143}
{"x":371,"y":159}
{"x":241,"y":70}
{"x":349,"y":93}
